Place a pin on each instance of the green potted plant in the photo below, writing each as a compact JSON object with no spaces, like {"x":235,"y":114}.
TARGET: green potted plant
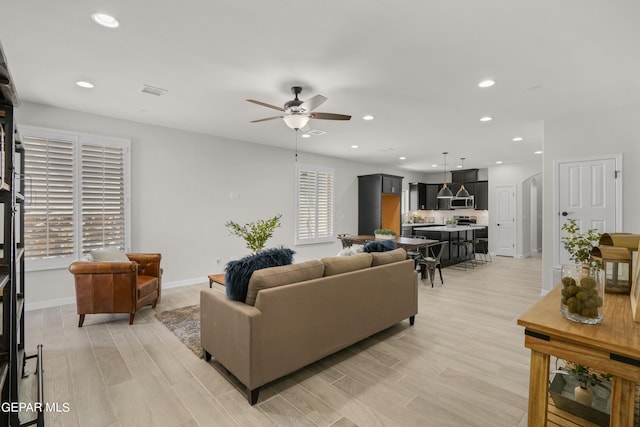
{"x":384,"y":233}
{"x":587,"y":380}
{"x":579,"y":244}
{"x":255,"y":233}
{"x":451,"y":223}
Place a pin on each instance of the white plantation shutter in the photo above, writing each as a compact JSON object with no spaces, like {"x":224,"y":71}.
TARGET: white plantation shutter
{"x":76,"y":196}
{"x":49,"y":222}
{"x":314,"y":204}
{"x":103,"y":197}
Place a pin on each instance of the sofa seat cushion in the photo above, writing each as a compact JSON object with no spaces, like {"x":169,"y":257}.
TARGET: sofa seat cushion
{"x":238,"y":273}
{"x":381,"y":258}
{"x":284,"y":275}
{"x":344,"y":264}
{"x":146,"y":286}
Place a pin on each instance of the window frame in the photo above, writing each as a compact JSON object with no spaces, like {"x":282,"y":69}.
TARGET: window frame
{"x":78,"y":139}
{"x":318,"y":170}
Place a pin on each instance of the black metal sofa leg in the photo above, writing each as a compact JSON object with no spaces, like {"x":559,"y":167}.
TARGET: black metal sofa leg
{"x":252,"y":395}
{"x":412,"y":319}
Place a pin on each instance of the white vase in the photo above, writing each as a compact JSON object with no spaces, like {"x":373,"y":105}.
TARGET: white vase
{"x":583,"y":395}
{"x":384,"y":236}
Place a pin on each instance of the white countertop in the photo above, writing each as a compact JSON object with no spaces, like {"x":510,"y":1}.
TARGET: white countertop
{"x":422,"y":224}
{"x":452,"y":229}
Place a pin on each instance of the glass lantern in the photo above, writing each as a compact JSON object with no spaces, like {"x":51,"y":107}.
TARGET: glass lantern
{"x":616,"y":265}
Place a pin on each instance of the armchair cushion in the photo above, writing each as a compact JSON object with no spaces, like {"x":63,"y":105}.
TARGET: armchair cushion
{"x":381,"y":258}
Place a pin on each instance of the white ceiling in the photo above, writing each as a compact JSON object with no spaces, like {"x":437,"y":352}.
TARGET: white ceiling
{"x":413,"y":64}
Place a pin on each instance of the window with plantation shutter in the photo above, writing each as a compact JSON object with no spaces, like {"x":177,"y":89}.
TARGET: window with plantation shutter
{"x":314,"y":207}
{"x":76,"y":196}
{"x":103,"y":196}
{"x":49,"y":219}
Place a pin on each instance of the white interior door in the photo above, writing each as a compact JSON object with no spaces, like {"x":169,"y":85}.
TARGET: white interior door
{"x":505,"y":219}
{"x":587,"y":193}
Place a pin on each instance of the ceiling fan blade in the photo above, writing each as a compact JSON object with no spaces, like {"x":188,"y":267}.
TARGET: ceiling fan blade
{"x":314,"y":102}
{"x":264,"y":120}
{"x":329,"y":116}
{"x":264,"y":104}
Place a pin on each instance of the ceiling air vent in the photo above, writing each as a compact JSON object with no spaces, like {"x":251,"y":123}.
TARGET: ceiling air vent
{"x":316,"y":132}
{"x":152,"y":90}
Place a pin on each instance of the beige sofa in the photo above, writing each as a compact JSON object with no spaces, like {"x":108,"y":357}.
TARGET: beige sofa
{"x":297,"y":314}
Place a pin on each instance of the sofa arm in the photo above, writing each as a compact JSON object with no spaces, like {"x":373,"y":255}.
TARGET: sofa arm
{"x":91,"y":267}
{"x":230,"y":332}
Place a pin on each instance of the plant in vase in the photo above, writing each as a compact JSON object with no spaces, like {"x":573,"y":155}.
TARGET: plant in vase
{"x":384,"y":233}
{"x":256,"y":233}
{"x":586,"y":379}
{"x":451,"y":223}
{"x":579,"y":244}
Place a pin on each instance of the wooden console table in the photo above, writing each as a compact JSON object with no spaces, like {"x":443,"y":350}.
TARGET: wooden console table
{"x":216,"y":278}
{"x":612,"y":346}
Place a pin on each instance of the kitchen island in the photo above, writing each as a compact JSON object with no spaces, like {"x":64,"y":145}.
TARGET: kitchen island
{"x":454,"y":253}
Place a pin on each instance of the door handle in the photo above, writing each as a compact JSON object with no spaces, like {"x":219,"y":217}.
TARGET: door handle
{"x":498,"y":225}
{"x":565,"y":213}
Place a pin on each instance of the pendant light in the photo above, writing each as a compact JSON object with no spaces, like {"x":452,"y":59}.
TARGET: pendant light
{"x":444,"y":192}
{"x":462,"y":192}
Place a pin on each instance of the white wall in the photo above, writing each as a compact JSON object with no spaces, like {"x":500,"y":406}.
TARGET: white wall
{"x":181,"y":185}
{"x":596,"y":133}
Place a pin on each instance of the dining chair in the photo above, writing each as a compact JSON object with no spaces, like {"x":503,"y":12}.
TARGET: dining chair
{"x":432,"y":261}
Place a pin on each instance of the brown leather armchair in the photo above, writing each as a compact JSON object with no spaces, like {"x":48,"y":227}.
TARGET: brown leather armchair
{"x":117,"y":287}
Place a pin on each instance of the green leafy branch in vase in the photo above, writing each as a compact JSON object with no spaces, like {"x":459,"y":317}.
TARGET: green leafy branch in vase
{"x":579,"y":244}
{"x":256,"y":233}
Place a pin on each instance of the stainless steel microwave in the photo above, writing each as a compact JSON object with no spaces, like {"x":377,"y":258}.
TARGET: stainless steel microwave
{"x":462,"y":203}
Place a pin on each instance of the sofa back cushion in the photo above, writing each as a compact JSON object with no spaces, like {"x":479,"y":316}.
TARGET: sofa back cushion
{"x":238,"y":273}
{"x":344,"y":264}
{"x":381,"y":258}
{"x":278,"y":276}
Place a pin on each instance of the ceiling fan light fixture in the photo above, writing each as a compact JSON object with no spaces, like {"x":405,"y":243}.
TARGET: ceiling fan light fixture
{"x":296,"y":121}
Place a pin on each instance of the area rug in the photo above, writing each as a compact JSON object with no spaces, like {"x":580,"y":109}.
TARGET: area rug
{"x":184,"y":322}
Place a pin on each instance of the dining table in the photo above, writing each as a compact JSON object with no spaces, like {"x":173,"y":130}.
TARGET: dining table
{"x":407,"y":243}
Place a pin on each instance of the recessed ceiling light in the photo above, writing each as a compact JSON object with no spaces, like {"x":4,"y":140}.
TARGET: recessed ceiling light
{"x":105,"y":20}
{"x":86,"y":85}
{"x":459,"y":166}
{"x":403,"y":158}
{"x":486,"y":83}
{"x":354,"y":146}
{"x":537,"y":152}
{"x":486,"y":119}
{"x":517,"y":139}
{"x":499,"y":162}
{"x":306,"y":135}
{"x":367,"y":117}
{"x":434,"y":166}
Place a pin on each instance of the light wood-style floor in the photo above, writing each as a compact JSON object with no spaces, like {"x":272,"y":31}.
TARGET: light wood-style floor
{"x":462,"y":364}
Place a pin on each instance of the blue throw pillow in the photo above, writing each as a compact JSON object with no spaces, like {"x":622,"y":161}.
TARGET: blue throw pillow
{"x":238,"y":273}
{"x":379,"y":246}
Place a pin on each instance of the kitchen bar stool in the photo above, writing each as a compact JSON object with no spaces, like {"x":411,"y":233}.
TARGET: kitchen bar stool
{"x":466,"y":244}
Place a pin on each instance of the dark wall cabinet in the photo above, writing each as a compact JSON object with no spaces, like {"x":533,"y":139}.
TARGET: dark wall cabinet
{"x":481,"y":195}
{"x":417,"y":196}
{"x":379,"y":203}
{"x":423,"y":196}
{"x":463,"y":176}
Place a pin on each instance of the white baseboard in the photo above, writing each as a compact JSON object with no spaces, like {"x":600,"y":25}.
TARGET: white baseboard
{"x":49,"y":303}
{"x":72,"y":300}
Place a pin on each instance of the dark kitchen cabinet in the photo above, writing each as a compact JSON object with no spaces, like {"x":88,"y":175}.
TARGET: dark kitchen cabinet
{"x":481,"y":195}
{"x":464,"y":176}
{"x":432,"y":196}
{"x":379,"y":203}
{"x":417,"y":196}
{"x":391,"y":184}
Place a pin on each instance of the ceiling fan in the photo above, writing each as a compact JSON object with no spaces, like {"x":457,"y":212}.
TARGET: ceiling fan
{"x":297,"y":112}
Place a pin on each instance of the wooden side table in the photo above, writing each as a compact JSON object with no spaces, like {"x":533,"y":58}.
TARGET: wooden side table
{"x":217,"y":278}
{"x":612,"y":346}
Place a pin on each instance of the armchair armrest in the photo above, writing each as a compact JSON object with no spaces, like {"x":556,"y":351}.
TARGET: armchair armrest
{"x":148,"y":264}
{"x":92,"y":267}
